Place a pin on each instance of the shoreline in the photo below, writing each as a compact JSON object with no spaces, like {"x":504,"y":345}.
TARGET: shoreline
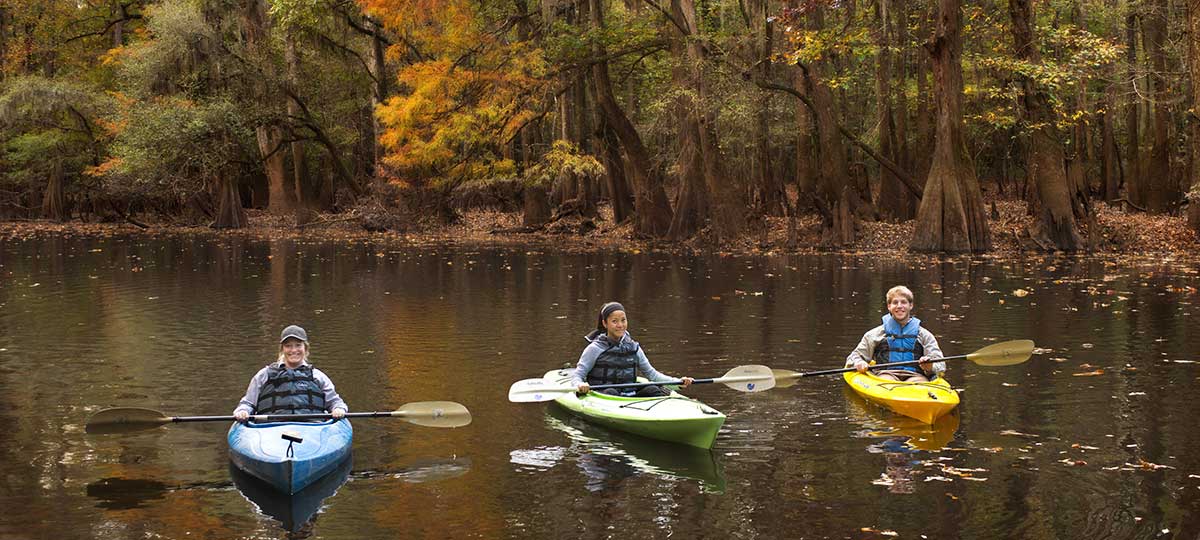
{"x":1135,"y":235}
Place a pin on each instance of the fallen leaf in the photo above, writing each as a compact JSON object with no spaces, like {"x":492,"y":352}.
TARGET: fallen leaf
{"x":1089,"y":374}
{"x":1016,"y":433}
{"x":1019,"y":293}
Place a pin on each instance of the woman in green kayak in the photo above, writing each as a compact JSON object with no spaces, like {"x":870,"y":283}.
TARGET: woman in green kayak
{"x":613,"y":357}
{"x":899,"y":339}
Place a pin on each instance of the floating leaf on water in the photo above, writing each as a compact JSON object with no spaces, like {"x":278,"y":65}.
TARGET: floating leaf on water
{"x":1087,"y":345}
{"x":1019,"y":293}
{"x":1008,"y":384}
{"x":1017,"y":433}
{"x":1089,"y":374}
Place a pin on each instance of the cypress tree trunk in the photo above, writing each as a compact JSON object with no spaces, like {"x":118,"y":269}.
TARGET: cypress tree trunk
{"x":895,"y":201}
{"x":1159,"y":189}
{"x":1052,"y":196}
{"x":53,"y":202}
{"x":230,"y":214}
{"x":951,"y":217}
{"x":301,"y":181}
{"x":1133,"y":158}
{"x":653,"y":211}
{"x":1193,"y":37}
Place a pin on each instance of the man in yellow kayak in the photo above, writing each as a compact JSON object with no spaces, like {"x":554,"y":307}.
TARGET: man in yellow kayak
{"x":899,"y":339}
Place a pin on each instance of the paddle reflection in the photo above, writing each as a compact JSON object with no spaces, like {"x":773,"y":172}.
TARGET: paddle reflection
{"x":296,"y":513}
{"x":607,"y":457}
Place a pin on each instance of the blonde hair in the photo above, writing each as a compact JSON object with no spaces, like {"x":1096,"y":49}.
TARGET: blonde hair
{"x":899,"y":290}
{"x":282,"y":357}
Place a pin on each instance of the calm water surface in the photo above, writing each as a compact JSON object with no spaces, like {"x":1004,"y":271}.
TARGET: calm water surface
{"x":1095,"y":437}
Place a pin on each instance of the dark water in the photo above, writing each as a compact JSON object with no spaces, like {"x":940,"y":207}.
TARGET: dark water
{"x":179,"y":324}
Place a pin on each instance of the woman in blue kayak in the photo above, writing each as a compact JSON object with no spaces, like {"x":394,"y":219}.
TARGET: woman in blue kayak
{"x":899,"y":339}
{"x":290,"y":385}
{"x":613,"y":357}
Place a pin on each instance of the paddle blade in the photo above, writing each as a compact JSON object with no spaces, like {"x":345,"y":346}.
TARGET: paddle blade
{"x":785,"y":378}
{"x":751,"y":378}
{"x":535,"y":390}
{"x":124,"y":420}
{"x":1003,"y":354}
{"x":447,"y":414}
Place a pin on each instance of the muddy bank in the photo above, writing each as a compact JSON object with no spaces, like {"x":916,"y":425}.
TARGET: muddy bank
{"x":1121,"y":234}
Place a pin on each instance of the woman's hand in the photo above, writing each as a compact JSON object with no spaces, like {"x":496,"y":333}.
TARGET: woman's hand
{"x":687,"y":381}
{"x":584,"y":388}
{"x":241,"y":415}
{"x":926,"y":364}
{"x":338,"y":414}
{"x":861,"y":366}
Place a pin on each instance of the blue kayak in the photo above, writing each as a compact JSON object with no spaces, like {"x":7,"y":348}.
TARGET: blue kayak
{"x":290,"y":455}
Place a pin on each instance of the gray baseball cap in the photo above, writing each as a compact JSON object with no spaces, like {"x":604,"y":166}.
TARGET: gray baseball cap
{"x":293,"y":331}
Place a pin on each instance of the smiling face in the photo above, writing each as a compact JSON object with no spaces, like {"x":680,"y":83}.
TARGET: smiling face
{"x":294,"y":352}
{"x":900,"y":308}
{"x":615,"y":325}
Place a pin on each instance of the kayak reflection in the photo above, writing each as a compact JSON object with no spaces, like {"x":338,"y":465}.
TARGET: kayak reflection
{"x":608,"y":457}
{"x":294,"y":512}
{"x":878,"y":422}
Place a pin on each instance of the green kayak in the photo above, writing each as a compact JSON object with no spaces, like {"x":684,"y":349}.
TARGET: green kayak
{"x":675,"y":418}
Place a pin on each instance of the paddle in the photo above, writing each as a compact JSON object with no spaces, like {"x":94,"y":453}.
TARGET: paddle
{"x":423,"y":413}
{"x":741,"y":378}
{"x":1005,"y":353}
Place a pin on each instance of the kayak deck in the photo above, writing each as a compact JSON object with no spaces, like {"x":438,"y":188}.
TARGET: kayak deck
{"x":924,"y":401}
{"x":262,"y":451}
{"x":674,"y":418}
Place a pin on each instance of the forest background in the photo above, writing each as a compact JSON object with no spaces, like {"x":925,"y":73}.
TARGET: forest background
{"x":685,"y":121}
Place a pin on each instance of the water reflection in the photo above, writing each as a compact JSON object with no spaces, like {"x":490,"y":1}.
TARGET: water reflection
{"x":607,"y":457}
{"x":915,"y":434}
{"x":296,"y":513}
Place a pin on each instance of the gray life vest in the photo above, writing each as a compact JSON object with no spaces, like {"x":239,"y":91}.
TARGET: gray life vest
{"x":290,"y":391}
{"x":616,"y":365}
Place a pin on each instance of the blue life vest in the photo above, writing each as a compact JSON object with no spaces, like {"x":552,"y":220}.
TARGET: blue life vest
{"x":290,"y":391}
{"x":900,"y":344}
{"x":617,"y":364}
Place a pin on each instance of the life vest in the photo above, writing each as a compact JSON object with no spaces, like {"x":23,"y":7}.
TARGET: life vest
{"x":900,"y":344}
{"x":616,"y":365}
{"x":290,"y":391}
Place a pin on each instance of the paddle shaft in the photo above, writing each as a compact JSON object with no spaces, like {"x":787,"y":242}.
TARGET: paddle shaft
{"x":677,"y":381}
{"x":261,"y":418}
{"x":878,"y":366}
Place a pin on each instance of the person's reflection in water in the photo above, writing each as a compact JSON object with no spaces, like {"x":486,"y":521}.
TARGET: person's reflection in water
{"x":899,"y":459}
{"x":604,"y":472}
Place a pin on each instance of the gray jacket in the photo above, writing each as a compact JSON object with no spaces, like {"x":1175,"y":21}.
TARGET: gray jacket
{"x":250,"y":400}
{"x":601,"y":344}
{"x":865,"y":350}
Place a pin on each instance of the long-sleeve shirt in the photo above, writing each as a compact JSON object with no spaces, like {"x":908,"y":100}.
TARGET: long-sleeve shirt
{"x":250,"y":400}
{"x":588,"y":359}
{"x":865,"y":350}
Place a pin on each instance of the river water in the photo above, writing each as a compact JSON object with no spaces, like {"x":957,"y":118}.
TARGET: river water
{"x":1094,"y":437}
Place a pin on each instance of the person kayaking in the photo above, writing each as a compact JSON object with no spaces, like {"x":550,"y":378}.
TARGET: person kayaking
{"x":613,"y":357}
{"x":290,"y":385}
{"x":900,"y":338}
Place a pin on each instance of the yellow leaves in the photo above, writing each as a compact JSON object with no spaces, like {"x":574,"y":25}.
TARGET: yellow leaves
{"x":1089,"y":373}
{"x":1020,"y":293}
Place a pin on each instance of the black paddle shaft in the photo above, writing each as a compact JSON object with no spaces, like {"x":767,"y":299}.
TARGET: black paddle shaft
{"x":281,"y":417}
{"x":878,"y":366}
{"x":640,"y":384}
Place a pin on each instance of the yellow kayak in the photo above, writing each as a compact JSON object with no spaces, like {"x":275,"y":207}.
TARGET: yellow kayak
{"x":925,"y":401}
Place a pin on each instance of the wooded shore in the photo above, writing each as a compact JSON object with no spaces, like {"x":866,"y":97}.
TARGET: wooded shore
{"x":1121,"y":234}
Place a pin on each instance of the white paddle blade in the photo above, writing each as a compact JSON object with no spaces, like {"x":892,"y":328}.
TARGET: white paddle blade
{"x":752,"y":378}
{"x":535,"y":390}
